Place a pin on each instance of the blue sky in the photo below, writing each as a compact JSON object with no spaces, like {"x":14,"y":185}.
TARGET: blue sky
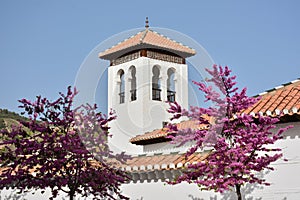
{"x":43,"y":43}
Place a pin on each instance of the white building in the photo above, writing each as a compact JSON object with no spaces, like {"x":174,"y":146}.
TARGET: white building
{"x":145,"y":71}
{"x":148,"y":69}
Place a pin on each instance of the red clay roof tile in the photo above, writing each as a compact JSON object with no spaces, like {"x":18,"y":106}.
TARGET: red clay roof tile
{"x":286,"y":97}
{"x":162,"y":133}
{"x":146,"y":39}
{"x":139,"y":162}
{"x":283,"y":98}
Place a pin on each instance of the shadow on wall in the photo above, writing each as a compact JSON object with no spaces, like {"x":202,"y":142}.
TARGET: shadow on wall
{"x":79,"y":198}
{"x":246,"y":191}
{"x":14,"y":195}
{"x":229,"y":197}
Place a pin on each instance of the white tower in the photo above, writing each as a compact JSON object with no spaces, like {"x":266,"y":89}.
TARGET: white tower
{"x":146,"y":71}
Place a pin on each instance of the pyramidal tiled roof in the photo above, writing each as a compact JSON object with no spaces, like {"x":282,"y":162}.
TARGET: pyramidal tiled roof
{"x":147,"y":39}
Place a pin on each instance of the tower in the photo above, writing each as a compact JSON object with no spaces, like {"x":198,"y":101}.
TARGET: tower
{"x":146,"y":71}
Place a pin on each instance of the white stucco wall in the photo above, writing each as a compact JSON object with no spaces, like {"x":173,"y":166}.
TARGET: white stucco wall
{"x":165,"y":147}
{"x":285,"y":179}
{"x":144,"y":114}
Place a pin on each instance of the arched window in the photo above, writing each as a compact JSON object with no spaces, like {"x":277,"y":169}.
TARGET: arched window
{"x":121,"y":86}
{"x":171,"y":85}
{"x":133,"y":94}
{"x":156,"y":84}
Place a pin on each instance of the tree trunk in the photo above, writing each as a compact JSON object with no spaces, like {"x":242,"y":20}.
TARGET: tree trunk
{"x":238,"y":191}
{"x":72,"y":195}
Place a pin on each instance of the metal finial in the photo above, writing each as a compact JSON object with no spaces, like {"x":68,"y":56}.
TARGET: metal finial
{"x":147,"y":23}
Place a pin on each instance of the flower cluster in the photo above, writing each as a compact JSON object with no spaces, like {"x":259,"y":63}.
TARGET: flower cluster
{"x":241,"y":145}
{"x":61,"y":148}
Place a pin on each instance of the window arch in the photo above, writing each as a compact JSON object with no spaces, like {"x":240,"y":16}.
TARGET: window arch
{"x":171,"y":85}
{"x":156,"y":90}
{"x":132,"y":79}
{"x":121,"y":83}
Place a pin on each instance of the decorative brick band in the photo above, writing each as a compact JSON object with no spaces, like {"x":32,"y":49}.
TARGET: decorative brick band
{"x":150,"y":54}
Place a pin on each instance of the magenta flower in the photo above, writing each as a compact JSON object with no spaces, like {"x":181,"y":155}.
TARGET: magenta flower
{"x":241,"y":145}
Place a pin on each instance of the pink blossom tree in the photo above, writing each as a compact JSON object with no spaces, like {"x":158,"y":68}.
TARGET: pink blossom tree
{"x":241,"y":145}
{"x":65,"y":150}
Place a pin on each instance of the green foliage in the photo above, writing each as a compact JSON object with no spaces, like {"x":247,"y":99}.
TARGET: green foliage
{"x":2,"y":124}
{"x":7,"y":118}
{"x":4,"y":113}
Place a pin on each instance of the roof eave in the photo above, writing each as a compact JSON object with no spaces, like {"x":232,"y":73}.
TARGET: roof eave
{"x":119,"y":53}
{"x":151,"y":140}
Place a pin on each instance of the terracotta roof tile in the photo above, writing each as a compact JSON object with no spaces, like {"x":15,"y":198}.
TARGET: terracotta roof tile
{"x":159,"y":166}
{"x":164,"y":161}
{"x":147,"y":39}
{"x":162,"y":133}
{"x":285,"y":99}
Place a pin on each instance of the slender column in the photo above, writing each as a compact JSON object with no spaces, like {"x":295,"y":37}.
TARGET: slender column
{"x":163,"y":85}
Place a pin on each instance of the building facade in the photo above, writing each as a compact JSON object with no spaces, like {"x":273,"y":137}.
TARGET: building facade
{"x":146,"y":71}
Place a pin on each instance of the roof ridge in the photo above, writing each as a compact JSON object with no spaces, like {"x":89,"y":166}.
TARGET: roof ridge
{"x":124,"y":40}
{"x":168,"y":38}
{"x":282,"y":101}
{"x":278,"y":87}
{"x":147,"y":38}
{"x":144,"y":35}
{"x":162,"y":153}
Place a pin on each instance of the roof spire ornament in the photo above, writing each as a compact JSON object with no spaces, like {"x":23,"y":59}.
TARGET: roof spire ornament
{"x":147,"y":23}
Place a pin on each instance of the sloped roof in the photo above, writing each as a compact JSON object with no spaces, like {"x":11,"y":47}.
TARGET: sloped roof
{"x":282,"y":101}
{"x":161,"y":161}
{"x":156,"y":135}
{"x":158,"y":166}
{"x":147,"y":39}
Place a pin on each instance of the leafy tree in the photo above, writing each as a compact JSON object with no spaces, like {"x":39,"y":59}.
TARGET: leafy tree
{"x":241,"y":145}
{"x":65,"y":151}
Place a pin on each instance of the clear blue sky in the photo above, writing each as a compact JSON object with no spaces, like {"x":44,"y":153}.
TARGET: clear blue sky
{"x":43,"y":43}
